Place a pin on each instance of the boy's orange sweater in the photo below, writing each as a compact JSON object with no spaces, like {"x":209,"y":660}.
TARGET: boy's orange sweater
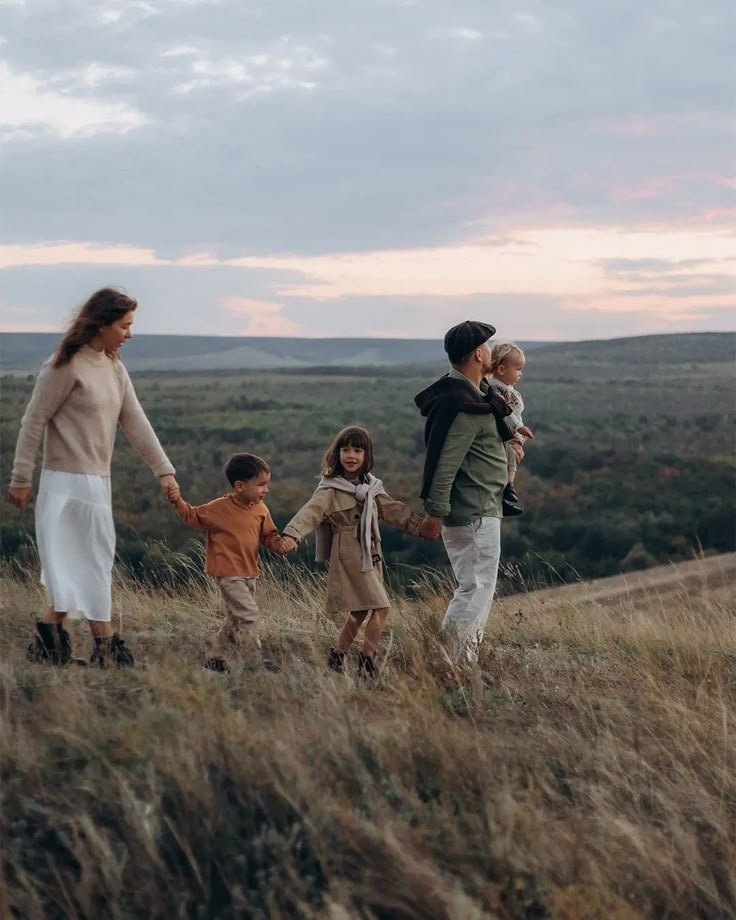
{"x":234,"y":533}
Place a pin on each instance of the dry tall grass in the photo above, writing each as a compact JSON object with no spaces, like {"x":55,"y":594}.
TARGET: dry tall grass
{"x":595,"y":779}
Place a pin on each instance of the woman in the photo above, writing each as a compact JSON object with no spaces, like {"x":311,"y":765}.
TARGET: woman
{"x":81,"y":394}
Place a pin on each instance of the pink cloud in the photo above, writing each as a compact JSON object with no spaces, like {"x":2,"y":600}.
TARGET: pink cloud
{"x":264,"y":317}
{"x":27,"y":326}
{"x":651,"y":188}
{"x":714,"y":217}
{"x":24,"y":319}
{"x":565,"y":262}
{"x":16,"y":255}
{"x":633,"y":126}
{"x":655,"y":310}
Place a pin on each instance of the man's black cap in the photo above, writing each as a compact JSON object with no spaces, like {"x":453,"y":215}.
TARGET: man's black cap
{"x":463,"y":338}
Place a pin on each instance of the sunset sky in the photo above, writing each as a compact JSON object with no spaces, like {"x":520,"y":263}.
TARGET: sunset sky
{"x":376,"y":168}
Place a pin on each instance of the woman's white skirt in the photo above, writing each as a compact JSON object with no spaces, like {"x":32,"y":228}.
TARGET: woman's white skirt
{"x":75,"y":535}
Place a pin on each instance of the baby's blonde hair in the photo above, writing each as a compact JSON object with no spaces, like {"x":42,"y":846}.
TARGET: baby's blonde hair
{"x":504,"y":351}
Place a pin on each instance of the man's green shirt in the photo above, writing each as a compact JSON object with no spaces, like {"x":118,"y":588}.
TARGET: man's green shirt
{"x":471,"y":472}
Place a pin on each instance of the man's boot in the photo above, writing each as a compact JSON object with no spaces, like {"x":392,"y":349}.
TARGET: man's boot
{"x":510,"y":502}
{"x":50,"y":644}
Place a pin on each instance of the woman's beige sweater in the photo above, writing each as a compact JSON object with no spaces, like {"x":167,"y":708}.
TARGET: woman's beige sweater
{"x":79,"y":406}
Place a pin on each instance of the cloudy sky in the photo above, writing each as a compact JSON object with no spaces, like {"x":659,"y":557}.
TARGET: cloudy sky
{"x":565,"y":170}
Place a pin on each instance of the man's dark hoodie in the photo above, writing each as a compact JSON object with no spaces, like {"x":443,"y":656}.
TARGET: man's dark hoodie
{"x":440,"y":404}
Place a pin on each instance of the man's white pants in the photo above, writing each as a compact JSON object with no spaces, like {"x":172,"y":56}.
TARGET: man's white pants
{"x":474,"y":551}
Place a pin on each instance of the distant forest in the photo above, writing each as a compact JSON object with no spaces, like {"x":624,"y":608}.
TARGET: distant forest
{"x":633,"y":463}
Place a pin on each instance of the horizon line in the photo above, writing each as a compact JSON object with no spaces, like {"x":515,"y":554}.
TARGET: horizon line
{"x":372,"y":338}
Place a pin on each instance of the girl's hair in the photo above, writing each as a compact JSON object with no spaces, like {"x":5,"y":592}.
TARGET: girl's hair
{"x":103,"y":308}
{"x":504,"y":352}
{"x":241,"y":467}
{"x":352,"y":436}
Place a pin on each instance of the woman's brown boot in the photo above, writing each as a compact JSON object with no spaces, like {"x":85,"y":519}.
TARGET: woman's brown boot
{"x":111,"y":650}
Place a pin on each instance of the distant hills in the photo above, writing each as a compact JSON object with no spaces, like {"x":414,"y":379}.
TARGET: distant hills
{"x":23,"y":352}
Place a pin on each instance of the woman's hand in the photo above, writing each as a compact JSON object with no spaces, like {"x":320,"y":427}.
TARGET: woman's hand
{"x":170,"y":487}
{"x":20,"y":496}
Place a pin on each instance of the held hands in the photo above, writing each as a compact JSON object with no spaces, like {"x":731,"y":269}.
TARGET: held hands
{"x":170,"y":488}
{"x":288,"y":545}
{"x":517,"y":448}
{"x":20,"y":496}
{"x":430,"y":527}
{"x":525,"y":432}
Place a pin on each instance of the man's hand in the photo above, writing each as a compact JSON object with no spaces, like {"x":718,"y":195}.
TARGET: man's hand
{"x":19,"y":496}
{"x":288,"y":544}
{"x":431,"y":527}
{"x":525,"y":432}
{"x":170,"y":488}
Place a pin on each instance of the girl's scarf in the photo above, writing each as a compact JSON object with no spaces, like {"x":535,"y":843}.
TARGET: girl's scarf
{"x":368,"y":529}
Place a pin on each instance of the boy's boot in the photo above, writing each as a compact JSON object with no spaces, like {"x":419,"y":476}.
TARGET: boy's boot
{"x":111,"y":650}
{"x":367,"y":666}
{"x":336,"y":661}
{"x":217,"y":664}
{"x":51,"y":644}
{"x":510,"y":502}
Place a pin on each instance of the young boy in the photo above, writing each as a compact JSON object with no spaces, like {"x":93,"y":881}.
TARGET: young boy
{"x":236,"y":525}
{"x":507,"y":367}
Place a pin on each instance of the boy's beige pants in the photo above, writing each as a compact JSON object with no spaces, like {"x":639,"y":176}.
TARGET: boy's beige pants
{"x":239,"y":632}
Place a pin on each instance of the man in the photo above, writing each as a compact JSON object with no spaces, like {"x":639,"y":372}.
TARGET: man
{"x":465,"y":473}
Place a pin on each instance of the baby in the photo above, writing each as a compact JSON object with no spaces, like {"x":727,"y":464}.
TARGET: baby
{"x":506,"y":370}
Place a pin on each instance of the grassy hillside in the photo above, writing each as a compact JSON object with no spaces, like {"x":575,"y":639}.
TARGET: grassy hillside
{"x":693,"y":352}
{"x":595,"y":777}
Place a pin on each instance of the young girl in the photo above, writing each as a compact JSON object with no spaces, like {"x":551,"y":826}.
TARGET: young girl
{"x":507,"y":366}
{"x":345,"y":510}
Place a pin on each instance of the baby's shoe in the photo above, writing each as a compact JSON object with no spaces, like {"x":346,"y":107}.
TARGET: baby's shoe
{"x":336,"y":661}
{"x":510,"y":502}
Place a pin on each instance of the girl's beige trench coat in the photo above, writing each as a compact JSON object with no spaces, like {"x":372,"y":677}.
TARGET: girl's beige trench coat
{"x":348,"y":588}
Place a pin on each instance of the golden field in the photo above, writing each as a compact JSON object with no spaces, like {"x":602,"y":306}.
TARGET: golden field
{"x":587,"y":771}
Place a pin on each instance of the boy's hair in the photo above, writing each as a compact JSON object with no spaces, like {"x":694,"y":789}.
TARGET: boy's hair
{"x":503,"y":352}
{"x":352,"y":436}
{"x":244,"y":466}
